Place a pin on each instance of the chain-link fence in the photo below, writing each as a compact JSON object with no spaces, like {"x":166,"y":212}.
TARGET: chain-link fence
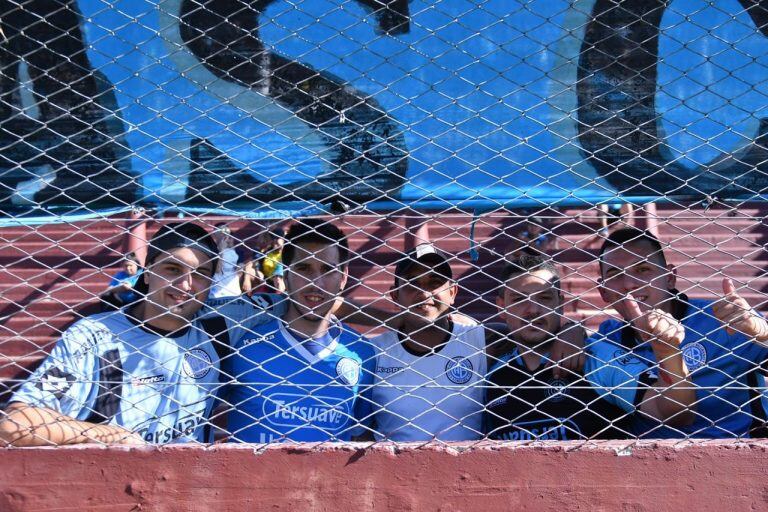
{"x":381,"y":221}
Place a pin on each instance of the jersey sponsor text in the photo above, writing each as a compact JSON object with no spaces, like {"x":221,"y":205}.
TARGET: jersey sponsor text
{"x":541,"y":430}
{"x":289,"y":410}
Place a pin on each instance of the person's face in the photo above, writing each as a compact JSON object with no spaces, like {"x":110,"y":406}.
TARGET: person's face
{"x":531,"y":306}
{"x":634,"y":269}
{"x":425,"y":292}
{"x":130,"y":267}
{"x":179,"y":281}
{"x":314,"y":280}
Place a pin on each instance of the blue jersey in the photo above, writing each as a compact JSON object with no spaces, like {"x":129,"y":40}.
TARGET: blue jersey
{"x":284,"y":392}
{"x":110,"y":369}
{"x":723,"y":368}
{"x":123,"y":277}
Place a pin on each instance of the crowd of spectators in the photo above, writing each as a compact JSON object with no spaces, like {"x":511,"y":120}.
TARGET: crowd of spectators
{"x":269,"y":337}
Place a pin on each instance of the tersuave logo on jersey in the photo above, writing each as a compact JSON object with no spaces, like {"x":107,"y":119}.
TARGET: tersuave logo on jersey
{"x":184,"y":427}
{"x":289,"y":410}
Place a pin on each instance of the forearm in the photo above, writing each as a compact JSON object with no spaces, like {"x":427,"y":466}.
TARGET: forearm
{"x":113,"y":290}
{"x":25,"y":425}
{"x":672,"y":398}
{"x":761,"y":337}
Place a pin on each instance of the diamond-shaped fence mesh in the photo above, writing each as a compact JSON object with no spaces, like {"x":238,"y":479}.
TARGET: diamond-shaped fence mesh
{"x":382,"y":221}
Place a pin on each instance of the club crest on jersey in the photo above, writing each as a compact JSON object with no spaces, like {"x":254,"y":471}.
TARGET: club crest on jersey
{"x":557,"y":390}
{"x":694,"y":355}
{"x":197,"y":363}
{"x":459,"y":370}
{"x":348,"y":370}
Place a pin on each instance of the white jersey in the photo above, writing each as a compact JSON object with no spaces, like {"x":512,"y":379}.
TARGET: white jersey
{"x":436,"y":396}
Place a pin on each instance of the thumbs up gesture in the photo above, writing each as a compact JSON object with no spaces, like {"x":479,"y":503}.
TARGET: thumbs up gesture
{"x":736,"y":314}
{"x":660,"y":328}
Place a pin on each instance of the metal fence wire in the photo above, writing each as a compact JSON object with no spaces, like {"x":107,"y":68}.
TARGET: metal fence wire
{"x":382,"y":221}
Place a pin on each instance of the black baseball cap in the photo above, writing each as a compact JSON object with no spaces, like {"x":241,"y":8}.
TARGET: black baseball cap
{"x":428,"y":256}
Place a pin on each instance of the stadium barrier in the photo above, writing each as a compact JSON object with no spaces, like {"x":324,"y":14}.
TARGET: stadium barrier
{"x":545,"y":218}
{"x":721,"y":475}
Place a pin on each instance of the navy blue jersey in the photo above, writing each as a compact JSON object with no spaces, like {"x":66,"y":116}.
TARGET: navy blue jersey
{"x":284,"y":392}
{"x":724,"y":368}
{"x":524,"y":404}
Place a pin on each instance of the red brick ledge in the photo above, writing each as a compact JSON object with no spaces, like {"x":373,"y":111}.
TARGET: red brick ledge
{"x":558,"y":476}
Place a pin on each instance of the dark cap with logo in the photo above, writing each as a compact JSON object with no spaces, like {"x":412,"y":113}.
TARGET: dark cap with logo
{"x":426,"y":255}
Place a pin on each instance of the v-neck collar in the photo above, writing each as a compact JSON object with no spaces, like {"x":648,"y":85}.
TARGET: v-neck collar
{"x":306,"y":354}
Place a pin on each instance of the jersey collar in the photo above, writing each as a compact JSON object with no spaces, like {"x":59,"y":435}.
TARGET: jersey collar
{"x":437,"y":348}
{"x":334,"y":330}
{"x":517,"y":358}
{"x":127,"y":310}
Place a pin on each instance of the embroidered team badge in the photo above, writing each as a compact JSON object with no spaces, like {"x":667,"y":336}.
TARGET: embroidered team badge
{"x":348,"y":370}
{"x":694,"y":355}
{"x":197,"y":363}
{"x":557,"y":389}
{"x":459,"y":370}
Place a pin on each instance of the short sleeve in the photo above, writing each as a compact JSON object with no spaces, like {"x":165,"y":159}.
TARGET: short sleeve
{"x":754,"y":351}
{"x":116,"y":279}
{"x":66,"y":379}
{"x":615,"y":373}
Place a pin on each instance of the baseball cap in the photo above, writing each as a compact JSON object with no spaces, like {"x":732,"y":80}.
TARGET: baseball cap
{"x":427,"y":255}
{"x":181,"y":234}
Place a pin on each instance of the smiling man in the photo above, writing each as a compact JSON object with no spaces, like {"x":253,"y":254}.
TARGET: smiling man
{"x":145,"y":373}
{"x":526,"y":401}
{"x":687,"y":367}
{"x":300,"y":376}
{"x":429,"y":380}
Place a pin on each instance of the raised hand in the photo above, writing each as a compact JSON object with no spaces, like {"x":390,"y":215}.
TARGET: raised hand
{"x":567,"y":351}
{"x":663,"y":331}
{"x":736,"y":314}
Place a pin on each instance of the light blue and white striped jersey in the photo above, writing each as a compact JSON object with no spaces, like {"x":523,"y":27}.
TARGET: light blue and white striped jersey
{"x":110,"y":369}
